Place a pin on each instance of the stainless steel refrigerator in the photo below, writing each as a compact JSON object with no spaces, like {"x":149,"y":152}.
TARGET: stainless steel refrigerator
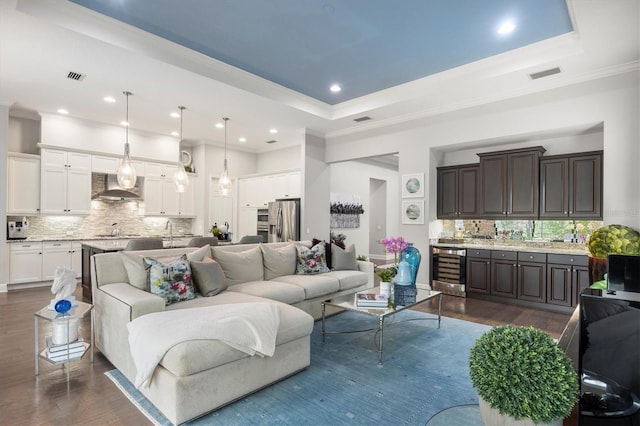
{"x":284,"y":220}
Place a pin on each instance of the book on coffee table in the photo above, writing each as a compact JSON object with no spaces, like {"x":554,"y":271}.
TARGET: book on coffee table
{"x":371,"y":300}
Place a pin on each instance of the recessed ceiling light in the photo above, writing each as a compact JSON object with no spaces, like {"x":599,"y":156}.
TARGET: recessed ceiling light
{"x":174,"y":133}
{"x":273,"y":131}
{"x":175,"y":115}
{"x":124,"y":123}
{"x":506,"y":27}
{"x":63,"y":111}
{"x":242,"y":140}
{"x":109,"y":99}
{"x":335,"y":88}
{"x":219,"y":125}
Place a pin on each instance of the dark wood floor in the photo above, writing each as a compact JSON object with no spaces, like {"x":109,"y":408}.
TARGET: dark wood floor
{"x":90,"y":398}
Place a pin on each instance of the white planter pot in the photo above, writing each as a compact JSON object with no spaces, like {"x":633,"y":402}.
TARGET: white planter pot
{"x":492,"y":417}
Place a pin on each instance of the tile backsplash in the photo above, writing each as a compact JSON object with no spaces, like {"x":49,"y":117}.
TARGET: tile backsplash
{"x":99,"y":222}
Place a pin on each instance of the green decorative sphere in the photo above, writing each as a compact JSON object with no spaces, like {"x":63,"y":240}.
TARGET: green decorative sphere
{"x":616,"y":239}
{"x":523,"y":373}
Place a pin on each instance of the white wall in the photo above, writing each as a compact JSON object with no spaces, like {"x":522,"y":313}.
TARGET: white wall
{"x":612,"y":102}
{"x":4,"y":250}
{"x":282,"y":159}
{"x":73,"y":133}
{"x":352,"y":177}
{"x":315,"y":198}
{"x":24,"y":135}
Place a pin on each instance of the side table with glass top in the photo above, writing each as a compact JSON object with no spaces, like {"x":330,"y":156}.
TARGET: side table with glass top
{"x":77,"y":312}
{"x":348,"y":302}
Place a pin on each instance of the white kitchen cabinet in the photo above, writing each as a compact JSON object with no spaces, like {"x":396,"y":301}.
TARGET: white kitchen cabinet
{"x":247,"y":222}
{"x":37,"y":261}
{"x":65,"y":182}
{"x":287,"y":185}
{"x":187,"y":199}
{"x":25,"y":262}
{"x":108,"y":164}
{"x":54,"y":254}
{"x":160,"y":195}
{"x":23,"y":184}
{"x":258,"y":191}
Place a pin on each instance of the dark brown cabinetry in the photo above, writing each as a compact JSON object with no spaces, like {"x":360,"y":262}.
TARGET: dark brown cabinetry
{"x":458,"y":192}
{"x":509,"y":185}
{"x":571,"y":186}
{"x":478,"y":271}
{"x":504,"y":275}
{"x":532,"y":276}
{"x":566,"y":277}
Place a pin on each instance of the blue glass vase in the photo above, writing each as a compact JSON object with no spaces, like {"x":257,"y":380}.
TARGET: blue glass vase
{"x":412,"y":256}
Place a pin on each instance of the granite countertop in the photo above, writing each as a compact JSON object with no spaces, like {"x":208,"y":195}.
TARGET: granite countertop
{"x":120,"y":244}
{"x":515,"y":245}
{"x":108,"y":241}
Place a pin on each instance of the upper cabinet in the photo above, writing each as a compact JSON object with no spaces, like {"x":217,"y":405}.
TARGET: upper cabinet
{"x":23,"y":184}
{"x":258,"y":191}
{"x":509,"y":184}
{"x":65,"y":182}
{"x":458,"y":192}
{"x":108,"y":164}
{"x":160,"y":195}
{"x":571,"y":186}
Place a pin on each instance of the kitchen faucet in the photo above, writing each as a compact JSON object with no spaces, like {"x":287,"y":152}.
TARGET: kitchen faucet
{"x":115,"y":231}
{"x":169,"y":226}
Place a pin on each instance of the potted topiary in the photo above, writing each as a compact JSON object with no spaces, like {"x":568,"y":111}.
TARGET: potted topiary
{"x":522,"y":377}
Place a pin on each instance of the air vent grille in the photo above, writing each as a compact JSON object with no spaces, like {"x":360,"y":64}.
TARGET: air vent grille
{"x":272,"y":141}
{"x":545,"y":73}
{"x":360,"y":119}
{"x":75,"y":76}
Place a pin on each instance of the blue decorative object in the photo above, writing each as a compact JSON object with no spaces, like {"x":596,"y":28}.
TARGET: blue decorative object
{"x":403,"y":276}
{"x":62,"y":306}
{"x":412,"y":256}
{"x":404,"y":295}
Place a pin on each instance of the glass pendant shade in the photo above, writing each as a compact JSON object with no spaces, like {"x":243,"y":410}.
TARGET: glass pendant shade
{"x":126,"y":173}
{"x":180,"y":177}
{"x":225,"y":181}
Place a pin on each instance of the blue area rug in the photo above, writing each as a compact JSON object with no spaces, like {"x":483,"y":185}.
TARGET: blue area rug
{"x":425,"y":371}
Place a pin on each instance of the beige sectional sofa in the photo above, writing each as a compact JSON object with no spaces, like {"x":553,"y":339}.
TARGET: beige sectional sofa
{"x":199,"y":376}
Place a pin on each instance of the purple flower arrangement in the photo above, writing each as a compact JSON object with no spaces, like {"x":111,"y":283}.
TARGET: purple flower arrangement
{"x":394,"y":245}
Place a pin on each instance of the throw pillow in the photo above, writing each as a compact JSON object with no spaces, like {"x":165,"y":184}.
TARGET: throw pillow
{"x":278,"y":261}
{"x":137,"y":270}
{"x":311,"y":260}
{"x":208,"y":276}
{"x":327,"y":250}
{"x":170,"y":279}
{"x":344,"y":260}
{"x":240,"y":267}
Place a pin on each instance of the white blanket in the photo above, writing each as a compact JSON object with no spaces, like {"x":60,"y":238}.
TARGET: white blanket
{"x":248,"y":327}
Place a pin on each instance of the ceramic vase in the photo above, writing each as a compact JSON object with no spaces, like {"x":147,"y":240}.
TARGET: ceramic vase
{"x":412,"y":256}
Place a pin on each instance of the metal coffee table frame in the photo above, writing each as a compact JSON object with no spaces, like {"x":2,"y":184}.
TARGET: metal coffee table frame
{"x":348,"y":302}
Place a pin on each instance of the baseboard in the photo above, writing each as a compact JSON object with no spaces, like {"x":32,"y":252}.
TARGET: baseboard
{"x":3,"y":288}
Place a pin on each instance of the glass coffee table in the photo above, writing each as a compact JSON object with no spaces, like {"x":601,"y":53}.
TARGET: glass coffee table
{"x":348,"y":302}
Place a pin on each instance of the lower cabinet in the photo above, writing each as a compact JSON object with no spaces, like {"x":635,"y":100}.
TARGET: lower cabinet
{"x":37,"y":261}
{"x":478,"y":271}
{"x":532,"y":277}
{"x":504,"y":274}
{"x":567,"y":276}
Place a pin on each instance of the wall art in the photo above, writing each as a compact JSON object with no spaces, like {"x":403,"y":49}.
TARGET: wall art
{"x":413,"y":185}
{"x":413,"y":212}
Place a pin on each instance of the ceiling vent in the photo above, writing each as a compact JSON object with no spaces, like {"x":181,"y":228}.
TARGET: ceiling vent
{"x":272,"y":141}
{"x":545,"y":73}
{"x":75,"y":76}
{"x":361,"y":119}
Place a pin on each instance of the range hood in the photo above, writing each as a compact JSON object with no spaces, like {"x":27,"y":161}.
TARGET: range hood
{"x":105,"y":187}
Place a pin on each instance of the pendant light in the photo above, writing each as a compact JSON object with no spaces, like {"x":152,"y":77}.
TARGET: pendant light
{"x":181,"y":178}
{"x":225,"y":182}
{"x":126,"y":173}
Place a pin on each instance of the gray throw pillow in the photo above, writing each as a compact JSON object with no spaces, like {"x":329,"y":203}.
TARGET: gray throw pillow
{"x":343,"y":260}
{"x":240,"y":267}
{"x":279,"y":261}
{"x":208,"y":276}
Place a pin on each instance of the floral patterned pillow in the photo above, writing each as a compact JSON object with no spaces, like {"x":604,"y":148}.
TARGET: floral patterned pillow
{"x":170,"y":279}
{"x":311,"y":260}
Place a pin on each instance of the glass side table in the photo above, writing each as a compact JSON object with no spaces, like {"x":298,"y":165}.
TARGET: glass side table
{"x":74,"y":350}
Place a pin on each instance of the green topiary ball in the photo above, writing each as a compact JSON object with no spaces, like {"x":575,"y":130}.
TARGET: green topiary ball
{"x":617,"y":239}
{"x":523,"y":373}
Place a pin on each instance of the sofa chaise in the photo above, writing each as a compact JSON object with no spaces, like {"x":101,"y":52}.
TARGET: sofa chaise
{"x":198,"y":376}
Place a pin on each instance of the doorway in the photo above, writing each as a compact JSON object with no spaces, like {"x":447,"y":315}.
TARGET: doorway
{"x":378,"y":217}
